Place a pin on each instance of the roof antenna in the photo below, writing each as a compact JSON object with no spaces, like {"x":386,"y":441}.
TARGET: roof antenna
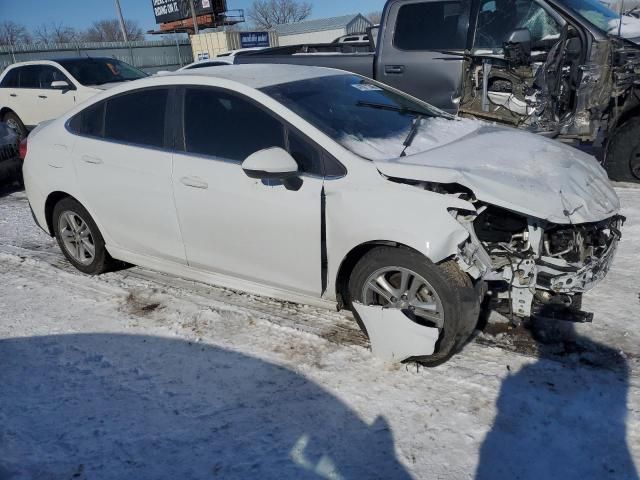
{"x":621,"y":14}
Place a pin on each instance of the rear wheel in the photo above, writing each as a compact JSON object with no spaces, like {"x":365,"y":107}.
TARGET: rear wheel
{"x":14,"y":122}
{"x":79,"y":237}
{"x":429,"y":294}
{"x":623,"y":153}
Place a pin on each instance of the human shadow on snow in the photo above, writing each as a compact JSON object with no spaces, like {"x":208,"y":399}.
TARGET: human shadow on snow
{"x":562,"y":420}
{"x":124,"y":406}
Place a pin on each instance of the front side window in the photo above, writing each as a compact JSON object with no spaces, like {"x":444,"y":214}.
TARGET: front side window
{"x":432,"y":26}
{"x":595,"y":12}
{"x":98,"y":71}
{"x":364,"y":117}
{"x":50,"y":74}
{"x":225,"y":126}
{"x":498,"y":18}
{"x":137,"y":117}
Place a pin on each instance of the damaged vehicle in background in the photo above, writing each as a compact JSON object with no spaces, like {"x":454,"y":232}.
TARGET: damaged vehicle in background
{"x":553,"y":67}
{"x":10,"y":164}
{"x":322,"y":187}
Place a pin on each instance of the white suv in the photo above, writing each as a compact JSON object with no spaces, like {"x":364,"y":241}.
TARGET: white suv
{"x":32,"y":92}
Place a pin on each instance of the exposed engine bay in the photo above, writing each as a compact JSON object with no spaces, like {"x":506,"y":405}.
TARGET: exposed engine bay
{"x":531,"y":263}
{"x":553,"y":88}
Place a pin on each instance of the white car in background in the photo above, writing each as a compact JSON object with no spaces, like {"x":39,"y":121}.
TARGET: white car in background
{"x":32,"y":92}
{"x":227,"y":58}
{"x":323,"y":187}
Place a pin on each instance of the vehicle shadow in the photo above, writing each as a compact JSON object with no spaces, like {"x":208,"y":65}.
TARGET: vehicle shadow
{"x":124,"y":406}
{"x":562,"y":420}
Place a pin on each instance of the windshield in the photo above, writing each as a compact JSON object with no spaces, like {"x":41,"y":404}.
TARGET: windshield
{"x":595,"y":12}
{"x":98,"y":71}
{"x":367,"y":119}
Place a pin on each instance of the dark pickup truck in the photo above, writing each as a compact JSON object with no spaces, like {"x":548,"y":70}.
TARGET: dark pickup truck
{"x":553,"y":67}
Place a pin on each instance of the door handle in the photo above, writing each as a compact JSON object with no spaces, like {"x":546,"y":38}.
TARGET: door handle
{"x":42,"y":96}
{"x":194,"y":182}
{"x":394,"y":69}
{"x":92,"y":160}
{"x":13,"y":95}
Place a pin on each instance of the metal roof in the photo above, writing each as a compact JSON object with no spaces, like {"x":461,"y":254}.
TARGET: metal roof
{"x":322,"y":24}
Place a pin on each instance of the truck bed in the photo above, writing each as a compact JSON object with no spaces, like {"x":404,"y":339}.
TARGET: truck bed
{"x":358,"y":58}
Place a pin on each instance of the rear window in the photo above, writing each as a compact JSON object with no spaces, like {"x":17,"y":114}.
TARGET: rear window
{"x":10,"y":80}
{"x":432,"y":26}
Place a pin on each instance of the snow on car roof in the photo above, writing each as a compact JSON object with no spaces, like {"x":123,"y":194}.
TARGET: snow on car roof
{"x":264,"y":75}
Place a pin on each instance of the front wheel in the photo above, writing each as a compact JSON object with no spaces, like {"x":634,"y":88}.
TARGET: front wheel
{"x":623,"y":153}
{"x":79,"y":238}
{"x":431,"y":295}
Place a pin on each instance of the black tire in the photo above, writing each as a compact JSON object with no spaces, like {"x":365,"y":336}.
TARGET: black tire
{"x":14,"y":121}
{"x":449,"y":282}
{"x":101,"y":261}
{"x":623,"y":153}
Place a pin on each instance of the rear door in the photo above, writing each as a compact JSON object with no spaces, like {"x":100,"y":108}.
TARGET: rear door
{"x":411,"y":49}
{"x":123,"y":161}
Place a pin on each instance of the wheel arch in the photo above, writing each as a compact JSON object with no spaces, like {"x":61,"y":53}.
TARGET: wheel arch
{"x":5,"y":110}
{"x":52,"y":199}
{"x":353,"y":257}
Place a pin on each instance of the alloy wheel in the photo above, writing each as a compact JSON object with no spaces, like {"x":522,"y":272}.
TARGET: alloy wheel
{"x":76,"y":237}
{"x":398,"y":287}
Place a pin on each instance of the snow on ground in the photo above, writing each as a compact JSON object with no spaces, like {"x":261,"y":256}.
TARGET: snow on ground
{"x":140,"y":375}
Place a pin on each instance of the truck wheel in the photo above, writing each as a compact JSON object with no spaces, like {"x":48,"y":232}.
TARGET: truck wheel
{"x":623,"y":153}
{"x":14,"y":122}
{"x":431,"y":294}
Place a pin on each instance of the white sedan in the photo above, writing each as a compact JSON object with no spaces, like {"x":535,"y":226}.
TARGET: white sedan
{"x":323,"y":187}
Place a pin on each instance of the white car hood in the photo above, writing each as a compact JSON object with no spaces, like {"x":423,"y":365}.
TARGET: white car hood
{"x":519,"y":171}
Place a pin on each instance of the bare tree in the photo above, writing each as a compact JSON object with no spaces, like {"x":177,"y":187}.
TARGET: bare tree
{"x":268,"y":13}
{"x":375,"y":17}
{"x":109,"y":31}
{"x":13,"y":33}
{"x":55,"y":32}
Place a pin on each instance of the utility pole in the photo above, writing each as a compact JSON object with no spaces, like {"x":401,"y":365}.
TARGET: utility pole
{"x":193,"y":15}
{"x":122,"y":27}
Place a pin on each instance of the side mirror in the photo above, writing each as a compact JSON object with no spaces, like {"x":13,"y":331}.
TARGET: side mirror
{"x":60,"y":85}
{"x":517,"y":47}
{"x":270,"y":163}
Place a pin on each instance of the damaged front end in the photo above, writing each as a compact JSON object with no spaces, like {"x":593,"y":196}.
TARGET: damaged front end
{"x":535,"y":267}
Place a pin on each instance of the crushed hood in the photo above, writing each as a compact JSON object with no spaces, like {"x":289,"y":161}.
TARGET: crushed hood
{"x":516,"y":170}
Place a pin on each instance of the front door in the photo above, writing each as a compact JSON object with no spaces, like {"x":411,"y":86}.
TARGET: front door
{"x":413,"y":46}
{"x":235,"y":225}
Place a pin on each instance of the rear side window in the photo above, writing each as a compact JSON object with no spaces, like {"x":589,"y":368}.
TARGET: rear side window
{"x":90,"y":121}
{"x":226,"y":126}
{"x":137,"y":117}
{"x":432,"y":26}
{"x":10,"y":80}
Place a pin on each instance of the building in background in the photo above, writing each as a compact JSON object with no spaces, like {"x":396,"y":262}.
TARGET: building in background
{"x":208,"y":45}
{"x":323,"y":30}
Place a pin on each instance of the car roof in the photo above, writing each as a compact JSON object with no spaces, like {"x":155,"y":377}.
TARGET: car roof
{"x":263,"y":75}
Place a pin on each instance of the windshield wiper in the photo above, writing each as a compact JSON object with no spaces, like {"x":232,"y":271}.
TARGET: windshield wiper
{"x":392,"y":108}
{"x":412,"y":135}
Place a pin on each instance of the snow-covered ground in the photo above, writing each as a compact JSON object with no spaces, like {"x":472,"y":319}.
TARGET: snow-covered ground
{"x":139,"y":375}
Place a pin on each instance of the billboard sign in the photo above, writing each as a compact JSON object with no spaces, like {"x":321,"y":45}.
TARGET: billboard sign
{"x":254,"y":39}
{"x":167,"y":11}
